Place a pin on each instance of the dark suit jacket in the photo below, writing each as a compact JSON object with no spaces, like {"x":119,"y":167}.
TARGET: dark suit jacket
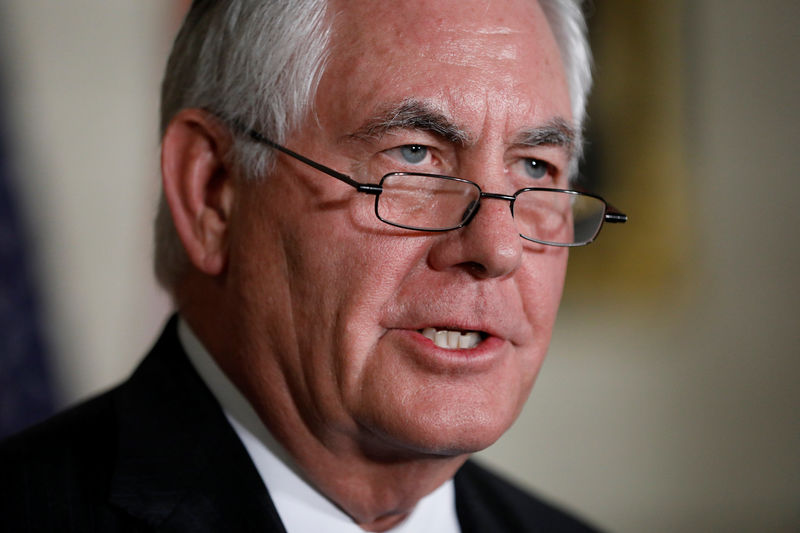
{"x":158,"y":454}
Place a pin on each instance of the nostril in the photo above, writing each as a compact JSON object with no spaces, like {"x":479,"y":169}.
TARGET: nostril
{"x":475,"y":268}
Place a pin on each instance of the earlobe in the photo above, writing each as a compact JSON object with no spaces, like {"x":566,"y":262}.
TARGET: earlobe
{"x":199,"y":186}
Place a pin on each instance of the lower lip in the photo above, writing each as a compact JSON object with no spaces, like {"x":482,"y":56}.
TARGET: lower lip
{"x":425,"y":352}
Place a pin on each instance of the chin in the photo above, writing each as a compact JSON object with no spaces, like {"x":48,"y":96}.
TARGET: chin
{"x":441,"y":415}
{"x":467,"y":434}
{"x":447,"y":432}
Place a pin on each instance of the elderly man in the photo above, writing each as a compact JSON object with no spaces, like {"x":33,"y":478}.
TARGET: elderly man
{"x":364,"y":228}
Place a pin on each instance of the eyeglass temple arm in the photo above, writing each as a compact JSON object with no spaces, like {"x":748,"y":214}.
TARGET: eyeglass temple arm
{"x":361,"y":187}
{"x":614,"y":215}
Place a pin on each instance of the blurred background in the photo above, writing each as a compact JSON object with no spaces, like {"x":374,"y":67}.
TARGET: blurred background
{"x":669,"y":401}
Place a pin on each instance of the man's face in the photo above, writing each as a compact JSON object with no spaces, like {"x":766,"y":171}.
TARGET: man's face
{"x":332,"y":303}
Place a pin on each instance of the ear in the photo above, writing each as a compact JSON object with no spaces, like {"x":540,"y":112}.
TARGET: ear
{"x":199,"y":186}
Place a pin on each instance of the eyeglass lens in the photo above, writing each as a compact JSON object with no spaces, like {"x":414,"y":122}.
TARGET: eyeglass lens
{"x":440,"y":203}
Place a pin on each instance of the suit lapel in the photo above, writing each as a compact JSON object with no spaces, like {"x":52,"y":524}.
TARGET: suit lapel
{"x":180,"y":465}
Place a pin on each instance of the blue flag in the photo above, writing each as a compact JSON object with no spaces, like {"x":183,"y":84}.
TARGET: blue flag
{"x":26,"y":394}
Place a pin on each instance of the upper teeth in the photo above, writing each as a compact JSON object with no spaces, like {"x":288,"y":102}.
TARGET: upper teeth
{"x":444,"y":338}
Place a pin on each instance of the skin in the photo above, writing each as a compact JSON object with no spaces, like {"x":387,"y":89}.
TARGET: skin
{"x":312,"y":306}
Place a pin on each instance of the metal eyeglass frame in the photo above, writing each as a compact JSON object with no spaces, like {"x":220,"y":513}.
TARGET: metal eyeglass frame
{"x":610,"y":215}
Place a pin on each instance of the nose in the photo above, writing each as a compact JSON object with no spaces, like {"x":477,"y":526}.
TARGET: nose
{"x":488,"y":247}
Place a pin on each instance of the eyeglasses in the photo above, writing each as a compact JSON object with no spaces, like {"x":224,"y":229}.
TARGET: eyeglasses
{"x":431,"y":202}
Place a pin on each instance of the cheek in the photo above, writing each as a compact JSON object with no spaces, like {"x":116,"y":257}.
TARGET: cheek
{"x":546,"y":274}
{"x":540,"y":285}
{"x":557,"y":275}
{"x":341,"y":282}
{"x":377,"y":270}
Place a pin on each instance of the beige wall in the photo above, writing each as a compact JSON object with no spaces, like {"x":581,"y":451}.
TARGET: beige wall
{"x":653,"y":417}
{"x":84,"y":78}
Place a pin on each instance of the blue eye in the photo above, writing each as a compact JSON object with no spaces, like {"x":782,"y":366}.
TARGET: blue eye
{"x":536,"y":168}
{"x":413,"y":153}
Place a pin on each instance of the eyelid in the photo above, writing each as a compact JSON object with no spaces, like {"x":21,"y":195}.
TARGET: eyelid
{"x":548,"y":165}
{"x":403,"y":136}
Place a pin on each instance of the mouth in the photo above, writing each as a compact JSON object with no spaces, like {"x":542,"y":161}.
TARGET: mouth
{"x":450,"y":339}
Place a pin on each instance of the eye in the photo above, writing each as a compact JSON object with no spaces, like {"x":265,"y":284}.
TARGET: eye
{"x":536,"y":168}
{"x":413,"y":153}
{"x":410,"y":154}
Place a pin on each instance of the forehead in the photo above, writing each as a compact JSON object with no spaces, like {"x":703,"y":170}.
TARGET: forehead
{"x":475,"y":60}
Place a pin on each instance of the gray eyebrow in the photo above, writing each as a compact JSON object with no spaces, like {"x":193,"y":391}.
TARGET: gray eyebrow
{"x":416,"y":114}
{"x":413,"y":115}
{"x":557,"y":133}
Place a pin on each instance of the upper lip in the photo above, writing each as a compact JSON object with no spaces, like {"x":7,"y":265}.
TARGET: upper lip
{"x":493,"y":309}
{"x":450,"y":327}
{"x":494,"y":325}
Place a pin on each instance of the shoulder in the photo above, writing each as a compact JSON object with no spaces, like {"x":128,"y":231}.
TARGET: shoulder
{"x":75,"y":435}
{"x":59,"y":468}
{"x":487,"y":502}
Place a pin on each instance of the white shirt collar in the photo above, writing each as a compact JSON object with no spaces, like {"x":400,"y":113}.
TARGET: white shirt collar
{"x":301,"y":507}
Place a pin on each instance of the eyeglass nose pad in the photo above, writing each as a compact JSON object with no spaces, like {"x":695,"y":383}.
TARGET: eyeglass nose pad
{"x":470,"y":212}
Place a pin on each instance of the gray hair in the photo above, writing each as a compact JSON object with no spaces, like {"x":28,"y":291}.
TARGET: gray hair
{"x":569,"y":28}
{"x":568,"y":25}
{"x":259,"y":63}
{"x":254,"y":62}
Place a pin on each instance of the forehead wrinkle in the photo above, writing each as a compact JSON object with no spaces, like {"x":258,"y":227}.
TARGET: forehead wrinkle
{"x":468,"y":54}
{"x":495,"y":30}
{"x":412,"y":114}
